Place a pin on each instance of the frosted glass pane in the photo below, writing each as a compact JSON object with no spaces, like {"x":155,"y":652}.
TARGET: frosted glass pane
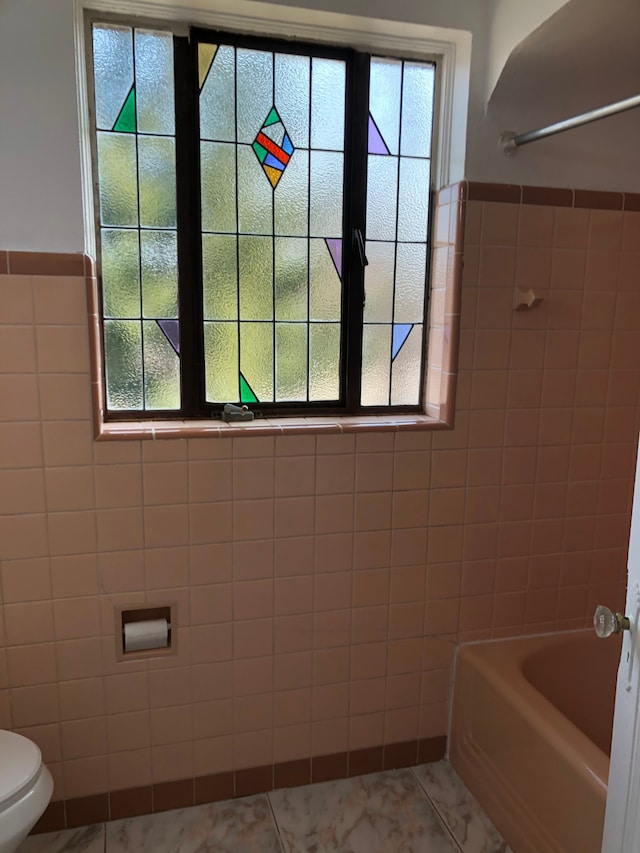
{"x":376,"y":355}
{"x":325,"y":298}
{"x":222,"y":381}
{"x":291,"y":362}
{"x":220,"y":277}
{"x":411,"y":272}
{"x":256,"y":358}
{"x":112,"y":71}
{"x":326,"y":194}
{"x":255,"y":91}
{"x":324,"y":355}
{"x":123,"y":364}
{"x":157,"y":169}
{"x":161,"y":370}
{"x":218,"y":185}
{"x":120,"y":273}
{"x":218,"y":99}
{"x":291,"y":278}
{"x":384,"y":99}
{"x":327,"y":103}
{"x":417,"y":109}
{"x":378,"y":282}
{"x":405,"y":371}
{"x":291,"y":199}
{"x":117,"y":179}
{"x":382,"y":186}
{"x":413,"y":201}
{"x":292,"y":96}
{"x":159,"y":254}
{"x":154,"y":82}
{"x":256,"y":278}
{"x":255,"y":194}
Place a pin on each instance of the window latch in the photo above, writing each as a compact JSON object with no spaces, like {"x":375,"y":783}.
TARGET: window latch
{"x":232,"y":412}
{"x":357,"y":236}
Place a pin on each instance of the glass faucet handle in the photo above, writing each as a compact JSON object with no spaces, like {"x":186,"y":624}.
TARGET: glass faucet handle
{"x":606,"y":622}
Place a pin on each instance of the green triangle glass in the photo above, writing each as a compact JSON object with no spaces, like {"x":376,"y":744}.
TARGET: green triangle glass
{"x":246,"y":392}
{"x":126,"y":121}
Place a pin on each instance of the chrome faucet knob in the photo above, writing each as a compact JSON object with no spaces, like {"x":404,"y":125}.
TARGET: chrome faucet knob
{"x":606,"y":622}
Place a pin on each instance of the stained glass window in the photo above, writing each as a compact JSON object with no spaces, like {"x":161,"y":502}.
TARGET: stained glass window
{"x":296,"y":243}
{"x":272,"y":217}
{"x":135,"y":142}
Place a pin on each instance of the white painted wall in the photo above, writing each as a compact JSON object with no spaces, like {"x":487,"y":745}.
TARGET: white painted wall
{"x":40,"y":197}
{"x":511,"y":22}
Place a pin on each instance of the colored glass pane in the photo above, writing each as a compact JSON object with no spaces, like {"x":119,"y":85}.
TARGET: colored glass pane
{"x":335,"y":250}
{"x":112,"y":71}
{"x":246,"y":392}
{"x":256,"y":358}
{"x":126,"y":121}
{"x":221,"y":362}
{"x":155,"y":105}
{"x":123,"y":360}
{"x":171,"y":331}
{"x":218,"y":98}
{"x":206,"y":55}
{"x":400,"y":335}
{"x":275,"y":159}
{"x":376,"y":143}
{"x":161,"y":369}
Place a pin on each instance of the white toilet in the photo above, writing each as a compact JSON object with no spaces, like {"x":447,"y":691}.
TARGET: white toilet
{"x":25,"y":789}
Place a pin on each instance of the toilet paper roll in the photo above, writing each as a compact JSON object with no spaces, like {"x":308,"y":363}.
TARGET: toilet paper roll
{"x":149,"y":634}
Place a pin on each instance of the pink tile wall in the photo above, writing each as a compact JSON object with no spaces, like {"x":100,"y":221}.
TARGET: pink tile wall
{"x":322,"y":581}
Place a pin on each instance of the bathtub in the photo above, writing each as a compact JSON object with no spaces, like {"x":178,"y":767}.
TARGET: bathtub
{"x":531,"y":734}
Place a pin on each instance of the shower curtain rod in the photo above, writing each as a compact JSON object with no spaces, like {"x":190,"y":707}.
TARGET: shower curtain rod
{"x":510,"y":141}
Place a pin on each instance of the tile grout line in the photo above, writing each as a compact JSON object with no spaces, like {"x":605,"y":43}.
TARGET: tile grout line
{"x":435,"y":808}
{"x":275,"y":822}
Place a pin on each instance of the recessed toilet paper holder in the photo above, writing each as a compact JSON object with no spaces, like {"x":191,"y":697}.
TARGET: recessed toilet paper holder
{"x":146,"y":623}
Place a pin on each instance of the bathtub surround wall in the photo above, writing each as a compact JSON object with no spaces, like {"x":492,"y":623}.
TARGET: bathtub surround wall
{"x":322,"y":581}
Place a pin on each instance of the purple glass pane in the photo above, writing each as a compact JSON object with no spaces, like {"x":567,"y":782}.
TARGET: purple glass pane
{"x":171,"y":331}
{"x":334,"y":245}
{"x":377,"y":145}
{"x":400,"y":335}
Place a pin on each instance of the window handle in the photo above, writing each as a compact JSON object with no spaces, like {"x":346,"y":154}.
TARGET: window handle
{"x":357,"y":236}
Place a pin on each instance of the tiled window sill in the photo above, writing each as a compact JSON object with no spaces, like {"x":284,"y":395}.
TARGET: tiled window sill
{"x":122,"y":430}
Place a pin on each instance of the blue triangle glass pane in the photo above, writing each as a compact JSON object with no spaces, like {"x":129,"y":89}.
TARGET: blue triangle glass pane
{"x":400,"y":335}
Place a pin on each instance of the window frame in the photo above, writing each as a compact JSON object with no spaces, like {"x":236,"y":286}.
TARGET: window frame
{"x":450,"y":49}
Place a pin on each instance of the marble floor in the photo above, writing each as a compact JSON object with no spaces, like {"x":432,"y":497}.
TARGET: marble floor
{"x":424,"y":809}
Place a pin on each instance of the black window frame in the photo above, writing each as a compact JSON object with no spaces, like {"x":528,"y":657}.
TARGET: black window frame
{"x":189,"y":235}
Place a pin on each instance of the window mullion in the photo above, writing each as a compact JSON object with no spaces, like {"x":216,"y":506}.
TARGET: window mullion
{"x":355,"y":218}
{"x":189,"y":272}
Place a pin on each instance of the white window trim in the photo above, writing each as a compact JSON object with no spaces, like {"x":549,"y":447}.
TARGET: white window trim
{"x":451,"y":47}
